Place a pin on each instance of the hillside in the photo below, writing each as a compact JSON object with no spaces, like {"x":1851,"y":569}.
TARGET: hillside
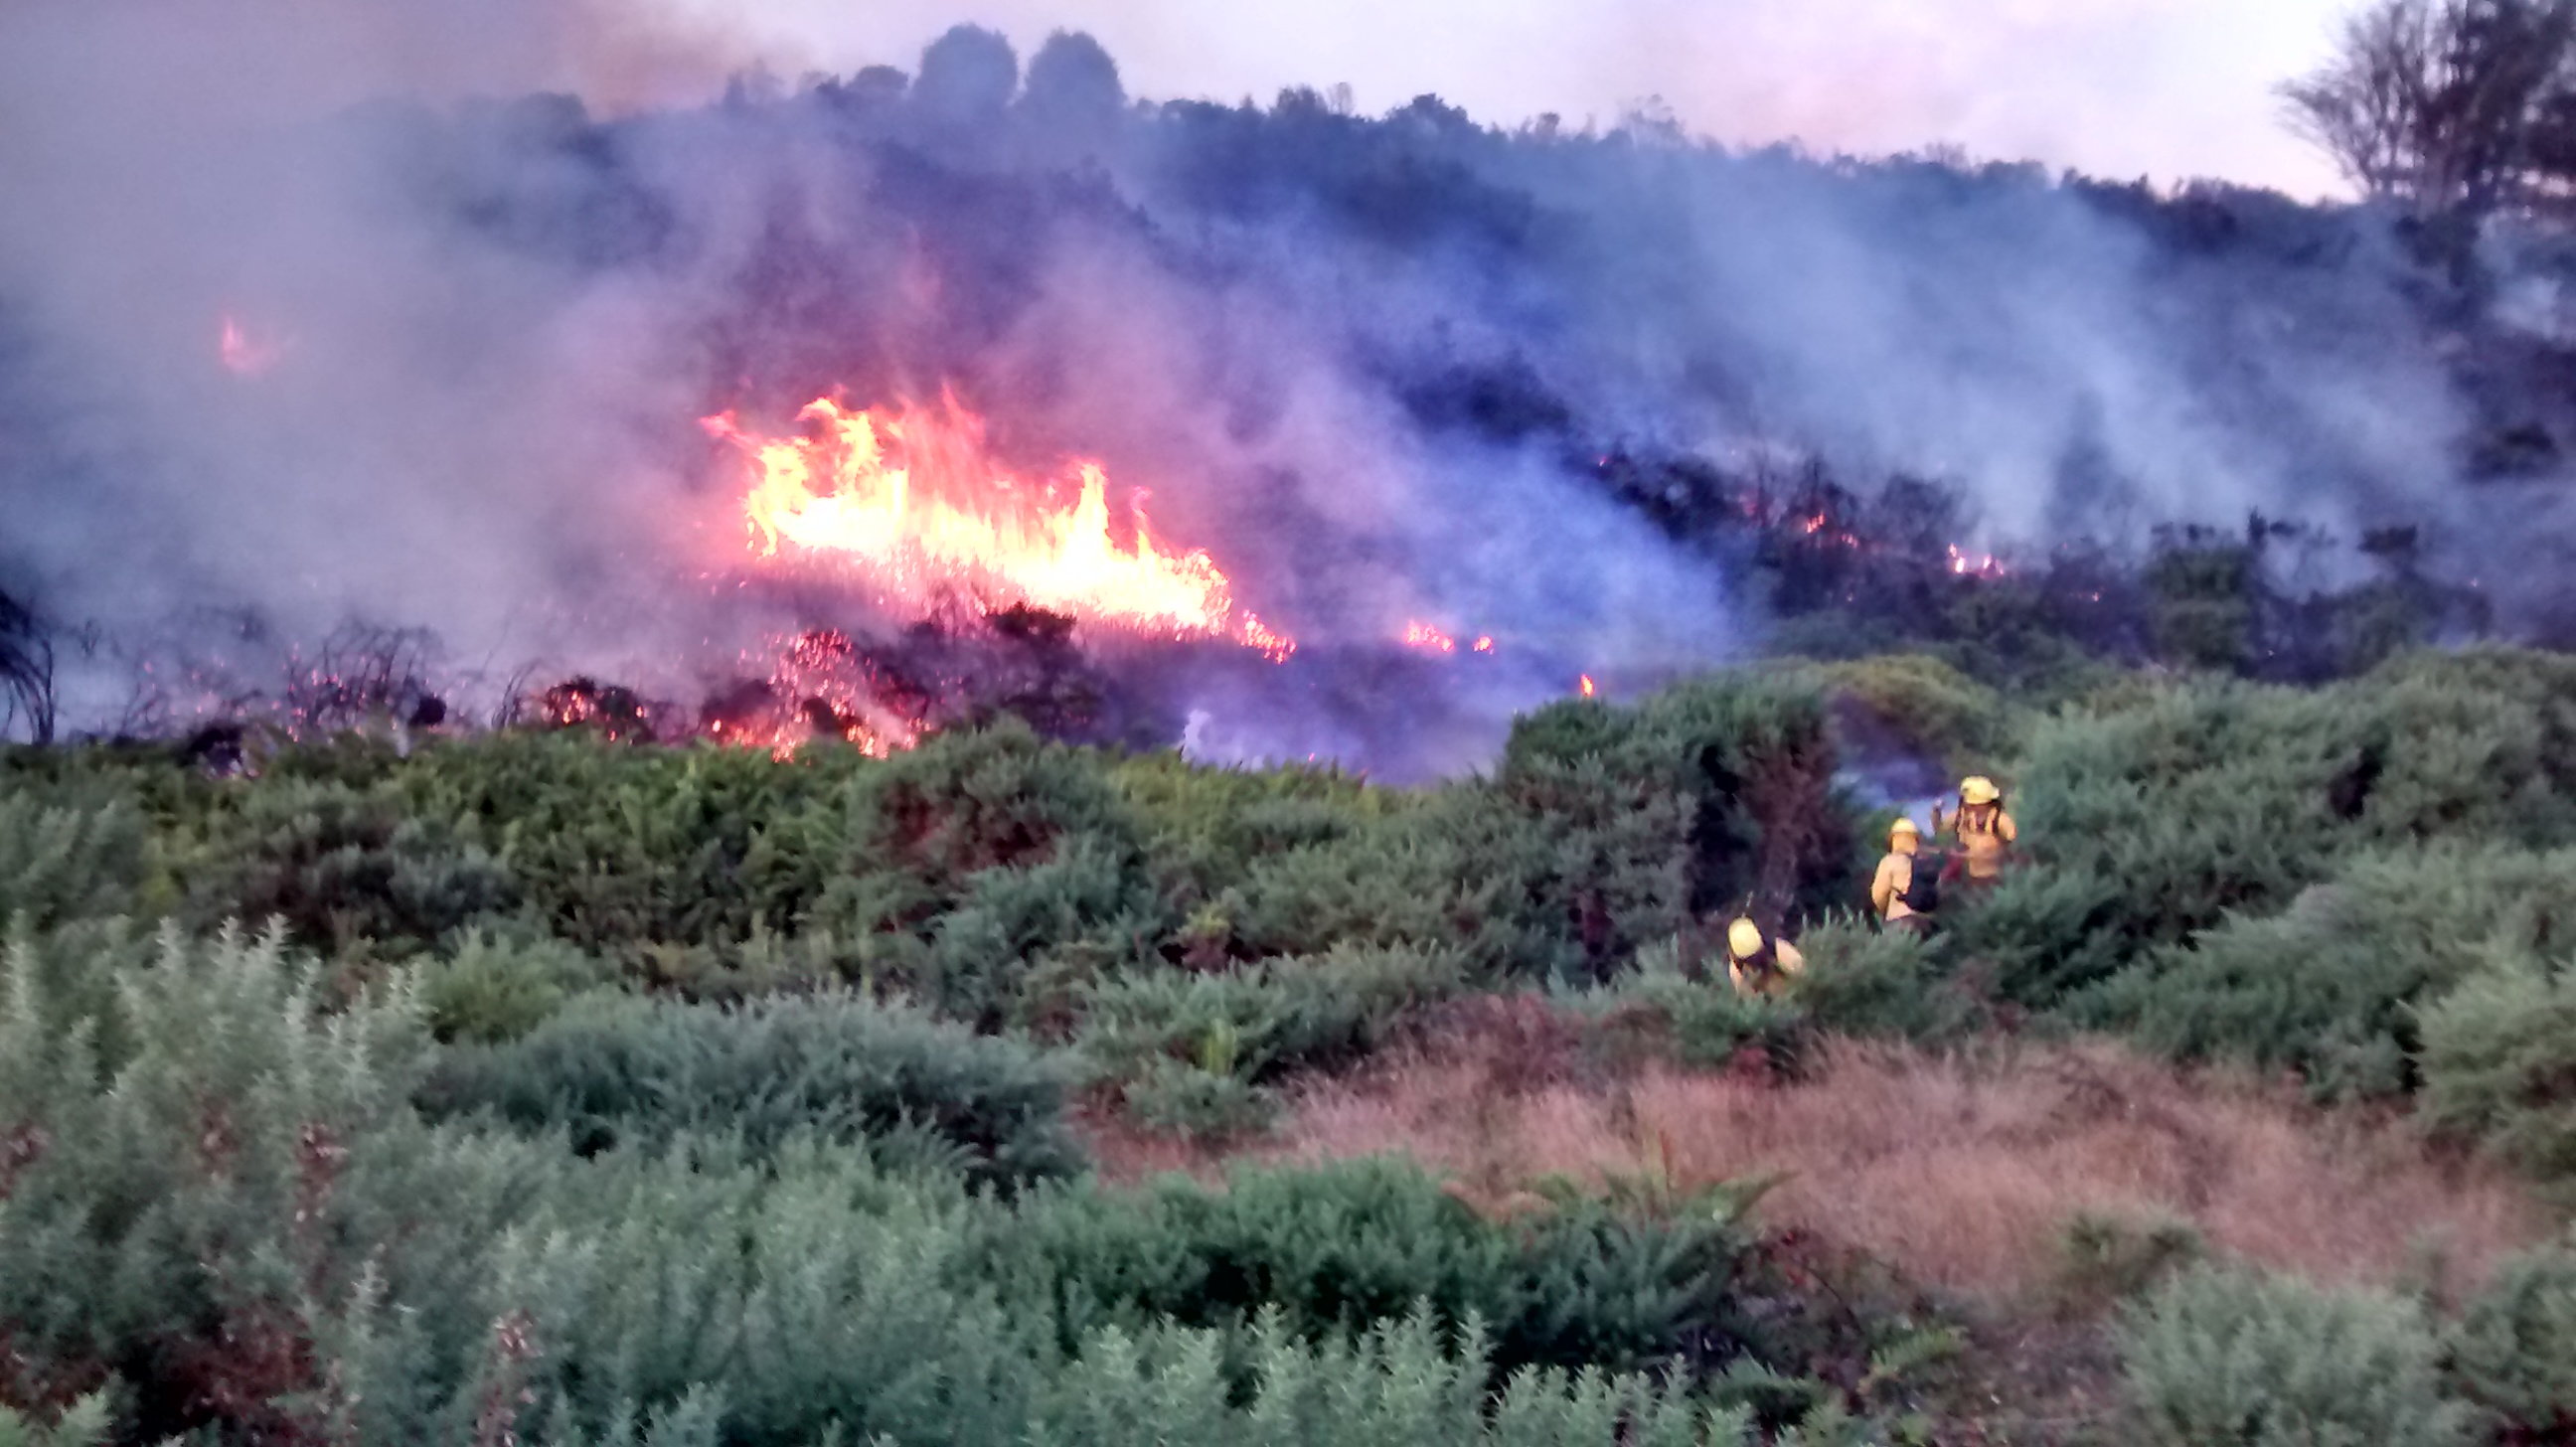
{"x":529,"y":1085}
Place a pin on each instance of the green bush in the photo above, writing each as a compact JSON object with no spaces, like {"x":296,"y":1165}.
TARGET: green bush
{"x":1349,"y":1245}
{"x":1261,"y":1021}
{"x":490,"y":990}
{"x":2330,"y":987}
{"x":2500,"y":1065}
{"x":2223,"y":1356}
{"x":1865,"y":981}
{"x":339,"y":868}
{"x":620,"y":850}
{"x":2103,"y":1259}
{"x":2514,"y":1352}
{"x":2157,"y":819}
{"x":59,"y":864}
{"x":1710,"y":796}
{"x":1402,"y":1381}
{"x":612,"y":1071}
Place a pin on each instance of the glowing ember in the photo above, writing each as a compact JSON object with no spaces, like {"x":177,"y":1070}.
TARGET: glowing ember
{"x":243,"y":355}
{"x":1423,"y":635}
{"x":911,"y":496}
{"x":1982,"y":566}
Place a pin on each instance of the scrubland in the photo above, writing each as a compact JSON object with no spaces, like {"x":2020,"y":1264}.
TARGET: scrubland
{"x":526,"y":1086}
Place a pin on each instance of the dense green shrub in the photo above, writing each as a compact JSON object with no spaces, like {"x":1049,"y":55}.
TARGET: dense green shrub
{"x":2330,"y":986}
{"x":2514,"y":1352}
{"x":2222,"y":1356}
{"x":2500,"y":1064}
{"x":492,"y":989}
{"x":1713,"y":795}
{"x":1348,"y":1245}
{"x":1861,"y":980}
{"x":612,"y":1071}
{"x":1260,"y":1021}
{"x":1401,"y":1381}
{"x":339,"y":867}
{"x":620,"y":849}
{"x":63,"y":863}
{"x":1917,"y":705}
{"x":2157,"y":818}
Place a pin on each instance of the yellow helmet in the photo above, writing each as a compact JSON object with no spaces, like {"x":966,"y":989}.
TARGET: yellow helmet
{"x":1902,"y":827}
{"x":1979,"y":790}
{"x":1744,"y":939}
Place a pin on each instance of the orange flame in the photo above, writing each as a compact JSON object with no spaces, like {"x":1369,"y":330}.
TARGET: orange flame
{"x":1485,"y":645}
{"x":243,"y":355}
{"x":1423,"y":635}
{"x":1587,"y":686}
{"x":911,"y":496}
{"x":1982,"y":566}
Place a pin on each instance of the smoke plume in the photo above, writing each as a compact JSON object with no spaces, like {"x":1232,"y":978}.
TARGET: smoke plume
{"x":317,"y":315}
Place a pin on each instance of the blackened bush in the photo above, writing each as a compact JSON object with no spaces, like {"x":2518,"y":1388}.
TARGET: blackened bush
{"x":2330,"y":987}
{"x":2500,"y":1064}
{"x":2514,"y":1351}
{"x":340,"y":867}
{"x":624,"y":1071}
{"x":2220,"y":1357}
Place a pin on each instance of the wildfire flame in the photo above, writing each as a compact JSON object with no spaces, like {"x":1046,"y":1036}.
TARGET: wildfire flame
{"x":244,"y":355}
{"x":1423,"y":635}
{"x":1982,"y":566}
{"x":1588,"y":690}
{"x":910,"y":495}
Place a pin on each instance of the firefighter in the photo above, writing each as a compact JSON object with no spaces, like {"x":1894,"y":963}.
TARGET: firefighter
{"x":1984,"y":831}
{"x":1906,"y":890}
{"x":1759,"y":966}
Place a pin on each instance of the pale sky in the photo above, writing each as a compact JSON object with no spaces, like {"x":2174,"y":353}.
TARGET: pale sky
{"x":2172,"y":89}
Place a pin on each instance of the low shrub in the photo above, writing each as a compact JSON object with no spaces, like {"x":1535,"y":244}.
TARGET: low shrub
{"x":625,"y":1071}
{"x":2330,"y":987}
{"x":340,"y":869}
{"x":2500,"y":1061}
{"x":1346,"y":1246}
{"x":2225,"y":1356}
{"x":2156,"y":818}
{"x":67,"y":863}
{"x":2104,"y":1259}
{"x":489,"y":990}
{"x":1262,"y":1021}
{"x":2514,"y":1351}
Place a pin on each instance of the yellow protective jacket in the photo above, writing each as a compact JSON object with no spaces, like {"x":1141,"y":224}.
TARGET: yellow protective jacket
{"x":1982,"y":841}
{"x":1895,"y":875}
{"x":1783,"y":954}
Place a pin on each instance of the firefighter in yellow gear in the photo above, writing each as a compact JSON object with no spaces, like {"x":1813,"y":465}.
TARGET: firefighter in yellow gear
{"x":1895,"y":881}
{"x":1759,"y":966}
{"x":1984,"y":831}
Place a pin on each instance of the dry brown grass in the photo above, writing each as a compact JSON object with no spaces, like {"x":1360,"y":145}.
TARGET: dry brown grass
{"x":1962,"y":1174}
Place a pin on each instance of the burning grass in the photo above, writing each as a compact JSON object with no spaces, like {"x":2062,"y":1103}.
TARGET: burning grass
{"x":1963,"y":1172}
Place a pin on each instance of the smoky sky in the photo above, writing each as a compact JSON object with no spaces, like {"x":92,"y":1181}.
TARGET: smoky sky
{"x":315,"y":311}
{"x":2170,"y":89}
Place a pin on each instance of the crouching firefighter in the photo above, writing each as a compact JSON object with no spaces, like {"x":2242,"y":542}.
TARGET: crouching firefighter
{"x":1908,"y":888}
{"x":1760,"y":966}
{"x":1984,"y":831}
